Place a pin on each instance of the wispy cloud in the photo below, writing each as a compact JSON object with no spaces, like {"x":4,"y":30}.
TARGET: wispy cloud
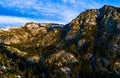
{"x":19,"y":21}
{"x":47,"y":10}
{"x":12,"y":19}
{"x":69,"y":1}
{"x":9,"y":21}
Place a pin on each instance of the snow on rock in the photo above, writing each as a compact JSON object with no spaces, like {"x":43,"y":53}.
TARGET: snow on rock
{"x":66,"y":70}
{"x":18,"y":76}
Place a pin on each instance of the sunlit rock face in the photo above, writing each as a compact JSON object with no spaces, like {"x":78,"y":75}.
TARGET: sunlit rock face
{"x":42,"y":34}
{"x":61,"y":58}
{"x":80,"y":22}
{"x":61,"y":62}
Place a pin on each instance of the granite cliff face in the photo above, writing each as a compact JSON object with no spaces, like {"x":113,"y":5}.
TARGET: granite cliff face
{"x":88,"y":46}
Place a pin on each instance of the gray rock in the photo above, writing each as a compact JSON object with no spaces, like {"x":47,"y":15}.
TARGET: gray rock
{"x":66,"y":70}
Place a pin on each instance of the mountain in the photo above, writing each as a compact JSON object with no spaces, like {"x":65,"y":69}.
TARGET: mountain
{"x":87,"y":47}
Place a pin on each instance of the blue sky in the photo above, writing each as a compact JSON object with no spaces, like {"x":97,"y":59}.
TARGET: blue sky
{"x":18,"y":12}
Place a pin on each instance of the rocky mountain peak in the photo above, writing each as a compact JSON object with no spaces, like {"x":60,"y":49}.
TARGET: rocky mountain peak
{"x":105,"y":15}
{"x":108,"y":8}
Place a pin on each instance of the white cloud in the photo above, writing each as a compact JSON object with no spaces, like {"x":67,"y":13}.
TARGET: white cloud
{"x":12,"y":21}
{"x":69,"y":1}
{"x":62,"y":11}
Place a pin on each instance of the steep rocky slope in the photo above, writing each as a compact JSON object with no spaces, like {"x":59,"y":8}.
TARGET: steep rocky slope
{"x":95,"y":33}
{"x":87,"y":47}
